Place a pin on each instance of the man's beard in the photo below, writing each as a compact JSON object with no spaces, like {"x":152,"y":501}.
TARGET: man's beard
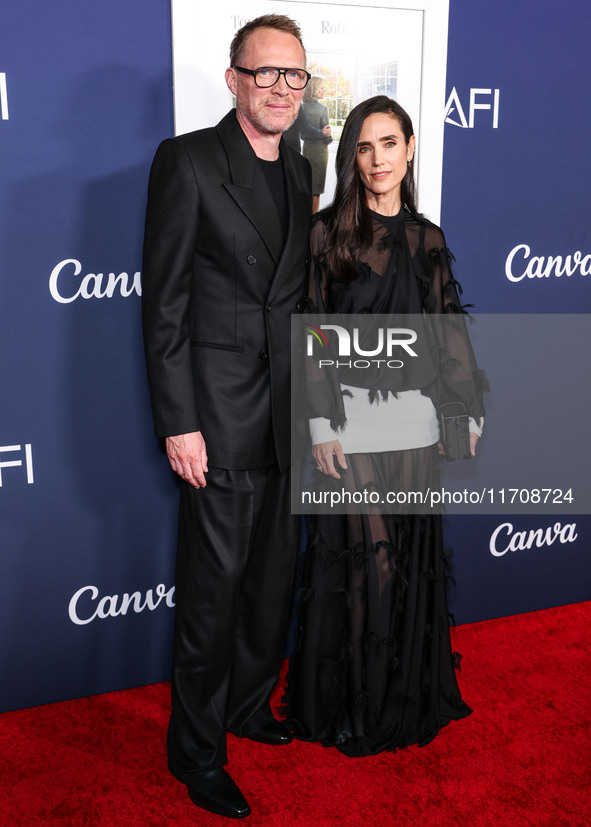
{"x":266,"y":122}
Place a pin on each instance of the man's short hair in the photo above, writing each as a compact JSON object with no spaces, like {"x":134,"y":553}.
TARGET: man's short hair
{"x":270,"y":21}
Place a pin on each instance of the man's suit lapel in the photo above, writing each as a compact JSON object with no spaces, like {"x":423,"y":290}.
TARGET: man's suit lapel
{"x":249,"y":187}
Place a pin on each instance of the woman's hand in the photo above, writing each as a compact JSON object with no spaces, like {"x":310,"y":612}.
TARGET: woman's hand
{"x":473,"y":440}
{"x":325,"y":454}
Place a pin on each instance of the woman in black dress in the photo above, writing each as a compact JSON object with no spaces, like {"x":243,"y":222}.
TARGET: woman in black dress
{"x":373,"y":668}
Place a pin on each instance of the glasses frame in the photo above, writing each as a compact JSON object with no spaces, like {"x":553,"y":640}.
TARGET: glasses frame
{"x":281,"y":71}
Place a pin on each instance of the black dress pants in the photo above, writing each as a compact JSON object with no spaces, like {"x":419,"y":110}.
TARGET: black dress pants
{"x":234,"y":576}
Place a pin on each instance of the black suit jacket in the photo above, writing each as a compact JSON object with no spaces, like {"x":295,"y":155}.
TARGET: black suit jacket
{"x":219,"y":286}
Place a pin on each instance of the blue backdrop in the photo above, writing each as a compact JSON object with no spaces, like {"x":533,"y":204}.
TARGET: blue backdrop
{"x":523,"y":181}
{"x":87,"y":505}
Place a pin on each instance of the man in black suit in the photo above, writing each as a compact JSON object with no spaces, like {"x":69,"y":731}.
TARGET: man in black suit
{"x":224,"y":269}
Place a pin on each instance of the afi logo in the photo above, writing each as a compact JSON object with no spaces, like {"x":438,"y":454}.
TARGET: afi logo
{"x":3,"y":97}
{"x":479,"y":99}
{"x":17,"y":463}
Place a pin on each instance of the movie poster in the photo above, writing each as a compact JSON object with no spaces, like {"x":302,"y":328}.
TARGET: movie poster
{"x":357,"y":51}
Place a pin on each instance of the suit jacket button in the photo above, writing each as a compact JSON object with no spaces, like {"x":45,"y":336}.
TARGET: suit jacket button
{"x":264,"y":354}
{"x":299,"y":307}
{"x":251,"y":259}
{"x":268,"y":308}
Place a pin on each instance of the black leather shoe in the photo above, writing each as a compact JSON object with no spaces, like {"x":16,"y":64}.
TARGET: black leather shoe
{"x":215,"y":791}
{"x":273,"y":732}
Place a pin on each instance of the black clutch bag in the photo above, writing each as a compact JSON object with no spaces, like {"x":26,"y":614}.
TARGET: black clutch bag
{"x":454,"y":431}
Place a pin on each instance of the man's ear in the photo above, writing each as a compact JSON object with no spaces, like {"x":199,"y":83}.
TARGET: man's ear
{"x":231,"y":80}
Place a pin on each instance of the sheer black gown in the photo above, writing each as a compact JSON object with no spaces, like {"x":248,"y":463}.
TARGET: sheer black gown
{"x":373,"y":668}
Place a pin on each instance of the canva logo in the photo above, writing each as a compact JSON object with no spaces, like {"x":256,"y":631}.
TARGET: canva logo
{"x":17,"y":456}
{"x":504,"y":539}
{"x":521,"y":264}
{"x":85,"y":606}
{"x":3,"y":97}
{"x":65,"y":285}
{"x":386,"y":340}
{"x":480,"y":99}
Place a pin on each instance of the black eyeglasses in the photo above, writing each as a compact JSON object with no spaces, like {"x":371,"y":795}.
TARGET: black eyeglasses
{"x":268,"y":76}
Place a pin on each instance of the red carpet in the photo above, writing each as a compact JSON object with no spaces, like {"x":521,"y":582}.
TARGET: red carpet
{"x":522,"y":758}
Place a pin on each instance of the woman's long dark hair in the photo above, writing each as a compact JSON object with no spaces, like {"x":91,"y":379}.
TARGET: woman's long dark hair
{"x":349,"y":224}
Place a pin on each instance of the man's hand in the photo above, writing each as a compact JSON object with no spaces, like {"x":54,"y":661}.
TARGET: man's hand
{"x":324,"y":453}
{"x":188,"y":457}
{"x":327,"y":131}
